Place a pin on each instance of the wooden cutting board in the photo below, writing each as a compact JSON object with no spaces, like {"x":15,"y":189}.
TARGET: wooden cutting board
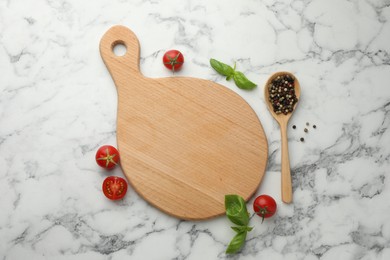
{"x":184,"y":142}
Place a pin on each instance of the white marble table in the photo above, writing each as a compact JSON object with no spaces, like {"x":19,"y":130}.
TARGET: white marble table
{"x":58,"y":105}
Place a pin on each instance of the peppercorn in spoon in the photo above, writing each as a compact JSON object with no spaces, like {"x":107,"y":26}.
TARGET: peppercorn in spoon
{"x":282,"y":92}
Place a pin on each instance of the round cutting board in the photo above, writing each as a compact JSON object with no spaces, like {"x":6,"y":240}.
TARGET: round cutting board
{"x":184,"y":142}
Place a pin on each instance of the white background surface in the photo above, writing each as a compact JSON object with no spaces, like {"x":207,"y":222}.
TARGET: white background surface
{"x":58,"y":105}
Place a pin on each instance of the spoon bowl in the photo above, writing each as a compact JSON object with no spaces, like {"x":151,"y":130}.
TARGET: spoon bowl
{"x":282,"y":119}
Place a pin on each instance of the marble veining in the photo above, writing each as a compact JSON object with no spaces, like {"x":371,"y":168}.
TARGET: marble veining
{"x":58,"y":105}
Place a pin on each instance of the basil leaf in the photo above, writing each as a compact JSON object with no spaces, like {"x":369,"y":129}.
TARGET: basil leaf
{"x":249,"y":229}
{"x":242,"y":81}
{"x":236,"y":243}
{"x":242,"y":229}
{"x":222,"y":68}
{"x":239,"y":229}
{"x":236,"y":211}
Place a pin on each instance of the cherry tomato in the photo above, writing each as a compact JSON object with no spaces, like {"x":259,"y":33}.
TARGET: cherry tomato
{"x":107,"y":156}
{"x":114,"y":187}
{"x":173,"y":60}
{"x":264,"y":206}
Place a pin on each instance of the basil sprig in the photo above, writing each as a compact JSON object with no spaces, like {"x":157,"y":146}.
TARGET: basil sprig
{"x":237,"y":213}
{"x":238,"y":77}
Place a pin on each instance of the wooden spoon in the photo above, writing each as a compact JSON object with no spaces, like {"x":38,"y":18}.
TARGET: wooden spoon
{"x":282,"y":119}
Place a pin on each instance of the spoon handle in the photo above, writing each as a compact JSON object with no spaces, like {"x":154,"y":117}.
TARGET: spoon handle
{"x":286,"y":174}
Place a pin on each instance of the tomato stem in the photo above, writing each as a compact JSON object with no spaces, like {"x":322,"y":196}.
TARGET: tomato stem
{"x":109,"y":158}
{"x":173,"y":61}
{"x":262,"y":212}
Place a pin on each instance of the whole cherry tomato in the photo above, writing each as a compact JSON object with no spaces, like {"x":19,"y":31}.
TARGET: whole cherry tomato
{"x":114,"y":187}
{"x":107,"y":156}
{"x":173,"y":60}
{"x":264,"y":206}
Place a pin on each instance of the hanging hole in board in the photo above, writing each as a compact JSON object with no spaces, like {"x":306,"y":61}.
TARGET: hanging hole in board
{"x":119,"y":48}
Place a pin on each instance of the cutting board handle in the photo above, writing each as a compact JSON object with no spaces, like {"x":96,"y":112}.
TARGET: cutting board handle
{"x":120,"y":64}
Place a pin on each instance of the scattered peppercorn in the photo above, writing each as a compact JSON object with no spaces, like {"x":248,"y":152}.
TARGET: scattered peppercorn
{"x":305,"y":130}
{"x":307,"y":123}
{"x":294,"y":126}
{"x":302,"y":139}
{"x":282,"y":94}
{"x":314,"y":126}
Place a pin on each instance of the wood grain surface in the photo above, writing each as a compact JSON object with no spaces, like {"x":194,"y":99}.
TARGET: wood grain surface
{"x":184,"y":142}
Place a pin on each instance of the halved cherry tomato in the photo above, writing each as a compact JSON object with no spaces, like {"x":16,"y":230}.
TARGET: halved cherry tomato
{"x":114,"y":187}
{"x":173,"y":60}
{"x":107,"y":156}
{"x":264,"y":206}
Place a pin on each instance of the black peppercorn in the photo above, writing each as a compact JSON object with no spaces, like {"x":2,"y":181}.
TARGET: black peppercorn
{"x":282,"y":94}
{"x":305,"y":130}
{"x":314,"y":126}
{"x":302,"y":139}
{"x":294,"y":126}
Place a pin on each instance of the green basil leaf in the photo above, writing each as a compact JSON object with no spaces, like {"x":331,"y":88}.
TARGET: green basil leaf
{"x":236,"y":211}
{"x":242,"y":229}
{"x":236,"y":243}
{"x":249,"y":229}
{"x":222,"y":68}
{"x":239,"y":229}
{"x":242,"y":81}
